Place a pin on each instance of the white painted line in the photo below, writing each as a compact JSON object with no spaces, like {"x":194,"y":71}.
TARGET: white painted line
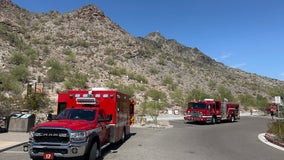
{"x":16,"y":152}
{"x":264,"y":140}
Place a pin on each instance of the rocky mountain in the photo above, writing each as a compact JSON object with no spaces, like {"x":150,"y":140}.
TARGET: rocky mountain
{"x":87,"y":42}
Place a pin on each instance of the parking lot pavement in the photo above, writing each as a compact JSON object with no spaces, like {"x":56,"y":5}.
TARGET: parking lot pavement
{"x":12,"y":139}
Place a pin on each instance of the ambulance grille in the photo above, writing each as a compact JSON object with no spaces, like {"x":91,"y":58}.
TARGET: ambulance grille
{"x":43,"y":135}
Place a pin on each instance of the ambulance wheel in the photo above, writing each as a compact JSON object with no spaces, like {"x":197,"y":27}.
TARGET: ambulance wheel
{"x":232,"y":118}
{"x":123,"y":136}
{"x":95,"y":152}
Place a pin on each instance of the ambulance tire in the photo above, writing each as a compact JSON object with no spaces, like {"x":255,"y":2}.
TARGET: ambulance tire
{"x":123,"y":136}
{"x":95,"y":152}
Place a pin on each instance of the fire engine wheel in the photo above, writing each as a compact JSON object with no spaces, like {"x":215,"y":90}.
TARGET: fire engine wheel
{"x":95,"y":152}
{"x":213,"y":121}
{"x":232,"y":118}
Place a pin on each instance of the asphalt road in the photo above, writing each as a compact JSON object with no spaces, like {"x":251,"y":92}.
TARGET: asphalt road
{"x":225,"y":141}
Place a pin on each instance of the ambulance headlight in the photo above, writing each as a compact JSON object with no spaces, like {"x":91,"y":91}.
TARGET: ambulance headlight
{"x":78,"y":136}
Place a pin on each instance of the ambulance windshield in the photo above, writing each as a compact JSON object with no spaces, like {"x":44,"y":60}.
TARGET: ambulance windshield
{"x":77,"y":114}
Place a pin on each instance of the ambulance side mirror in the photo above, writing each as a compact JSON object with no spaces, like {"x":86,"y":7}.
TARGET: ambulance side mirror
{"x":49,"y":116}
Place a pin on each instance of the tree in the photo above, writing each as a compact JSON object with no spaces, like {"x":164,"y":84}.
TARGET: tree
{"x":246,"y":100}
{"x":261,"y":102}
{"x":152,"y":108}
{"x":224,"y":93}
{"x":36,"y":101}
{"x":156,"y":95}
{"x":155,"y":102}
{"x":178,"y":97}
{"x":197,"y":94}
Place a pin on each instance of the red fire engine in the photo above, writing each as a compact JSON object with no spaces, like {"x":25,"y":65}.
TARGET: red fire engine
{"x":87,"y":120}
{"x":211,"y":111}
{"x":271,"y":108}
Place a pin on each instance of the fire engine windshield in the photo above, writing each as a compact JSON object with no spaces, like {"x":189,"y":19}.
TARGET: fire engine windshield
{"x":197,"y":105}
{"x":77,"y":114}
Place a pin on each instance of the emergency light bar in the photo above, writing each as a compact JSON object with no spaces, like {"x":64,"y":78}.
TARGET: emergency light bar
{"x":86,"y":101}
{"x":208,"y":99}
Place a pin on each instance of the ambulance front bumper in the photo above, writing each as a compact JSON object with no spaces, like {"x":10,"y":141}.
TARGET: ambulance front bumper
{"x":60,"y":151}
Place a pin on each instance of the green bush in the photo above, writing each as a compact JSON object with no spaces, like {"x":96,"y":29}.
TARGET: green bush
{"x":138,"y":77}
{"x":71,"y":58}
{"x":152,"y":108}
{"x":224,"y":92}
{"x":247,"y":100}
{"x":76,"y":80}
{"x":20,"y":72}
{"x":18,"y":58}
{"x":36,"y":101}
{"x":10,"y":83}
{"x":31,"y":54}
{"x":197,"y":94}
{"x":162,"y":62}
{"x":118,"y":71}
{"x":153,"y":70}
{"x":67,"y":51}
{"x":178,"y":97}
{"x":156,"y":95}
{"x":261,"y":102}
{"x":129,"y":90}
{"x":212,"y":84}
{"x":110,"y":61}
{"x":56,"y":72}
{"x":167,"y":80}
{"x":277,"y":128}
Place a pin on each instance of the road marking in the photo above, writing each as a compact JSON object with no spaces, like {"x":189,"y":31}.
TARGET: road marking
{"x":264,"y":140}
{"x":15,"y":152}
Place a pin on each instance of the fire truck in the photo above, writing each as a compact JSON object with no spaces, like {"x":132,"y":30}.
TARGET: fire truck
{"x":87,"y":121}
{"x":211,"y":111}
{"x":271,"y":108}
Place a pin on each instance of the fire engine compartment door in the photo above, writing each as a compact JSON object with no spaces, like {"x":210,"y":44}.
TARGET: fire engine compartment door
{"x":224,"y":110}
{"x":211,"y":109}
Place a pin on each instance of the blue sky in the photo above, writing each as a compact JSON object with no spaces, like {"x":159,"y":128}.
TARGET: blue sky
{"x":244,"y":34}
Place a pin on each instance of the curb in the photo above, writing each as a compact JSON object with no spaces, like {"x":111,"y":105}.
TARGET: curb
{"x":12,"y":146}
{"x":263,"y":138}
{"x":272,"y":140}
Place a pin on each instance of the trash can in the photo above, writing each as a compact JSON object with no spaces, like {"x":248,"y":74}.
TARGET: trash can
{"x":21,"y":122}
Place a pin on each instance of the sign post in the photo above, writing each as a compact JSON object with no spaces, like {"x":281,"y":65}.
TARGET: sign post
{"x":278,"y":102}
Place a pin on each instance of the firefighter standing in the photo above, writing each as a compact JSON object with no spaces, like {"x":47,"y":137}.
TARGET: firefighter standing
{"x":272,"y":114}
